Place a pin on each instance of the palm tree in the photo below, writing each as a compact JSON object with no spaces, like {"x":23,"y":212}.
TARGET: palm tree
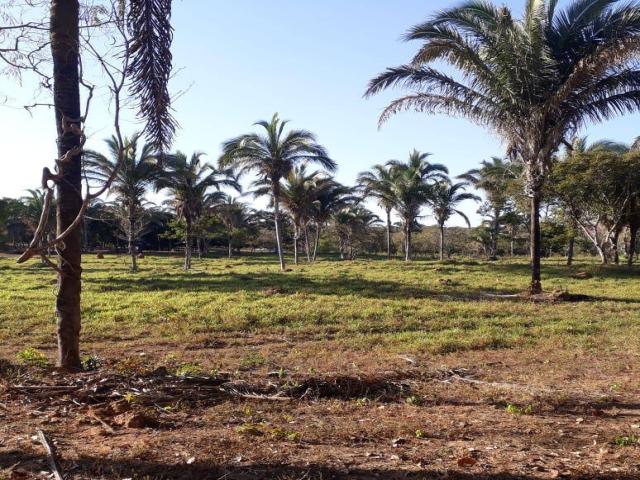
{"x":444,"y":201}
{"x":272,"y":155}
{"x":330,"y":198}
{"x":189,"y":181}
{"x":533,"y":81}
{"x":493,"y":178}
{"x":377,"y":184}
{"x":353,"y":224}
{"x":298,"y":196}
{"x":234,"y":215}
{"x":411,"y":184}
{"x":136,"y":172}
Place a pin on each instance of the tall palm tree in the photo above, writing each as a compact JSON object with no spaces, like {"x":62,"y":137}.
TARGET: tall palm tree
{"x":411,"y":184}
{"x":534,"y":81}
{"x":299,"y":192}
{"x":189,"y":181}
{"x":377,"y":184}
{"x":137,"y":171}
{"x":352,"y":224}
{"x":272,"y":155}
{"x":444,"y":201}
{"x":493,"y":178}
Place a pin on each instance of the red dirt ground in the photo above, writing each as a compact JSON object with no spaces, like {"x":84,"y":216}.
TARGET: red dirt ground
{"x":347,"y":414}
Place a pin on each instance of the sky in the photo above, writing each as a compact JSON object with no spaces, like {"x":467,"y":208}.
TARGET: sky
{"x":240,"y":61}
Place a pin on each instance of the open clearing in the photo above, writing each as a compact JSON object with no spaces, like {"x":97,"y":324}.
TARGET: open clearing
{"x":366,"y":369}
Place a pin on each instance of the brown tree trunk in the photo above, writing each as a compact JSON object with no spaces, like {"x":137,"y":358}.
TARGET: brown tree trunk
{"x":441,"y":243}
{"x":633,"y":233}
{"x":536,"y":243}
{"x":570,"y":250}
{"x":295,"y":245}
{"x":66,"y":98}
{"x":307,"y":247}
{"x":230,"y":245}
{"x":316,"y":242}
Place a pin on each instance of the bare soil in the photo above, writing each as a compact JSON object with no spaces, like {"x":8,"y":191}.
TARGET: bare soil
{"x":254,"y":407}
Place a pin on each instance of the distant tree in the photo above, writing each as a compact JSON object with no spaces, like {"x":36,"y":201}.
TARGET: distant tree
{"x":494,"y":178}
{"x":378,"y":184}
{"x":236,"y":218}
{"x":188,"y":181}
{"x":534,"y":81}
{"x":444,"y":200}
{"x":330,"y":197}
{"x":353,"y":226}
{"x":411,"y":187}
{"x":132,"y":174}
{"x":598,"y":188}
{"x":272,"y":155}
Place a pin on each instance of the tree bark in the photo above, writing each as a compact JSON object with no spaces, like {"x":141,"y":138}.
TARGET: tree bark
{"x":295,"y":244}
{"x":615,"y":240}
{"x":316,"y":242}
{"x":536,"y":243}
{"x":276,"y":212}
{"x":407,"y":248}
{"x":66,"y":98}
{"x":307,"y":247}
{"x":633,"y":233}
{"x":570,"y":250}
{"x":388,"y":233}
{"x":230,"y":245}
{"x":441,"y":242}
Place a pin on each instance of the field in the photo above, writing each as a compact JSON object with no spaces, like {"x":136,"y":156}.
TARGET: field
{"x":365,"y":369}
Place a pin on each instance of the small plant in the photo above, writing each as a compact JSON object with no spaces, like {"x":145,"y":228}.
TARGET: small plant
{"x":420,"y":434}
{"x":280,"y":434}
{"x":189,"y":369}
{"x":361,"y":402}
{"x":415,"y":400}
{"x":252,"y":360}
{"x":130,"y":397}
{"x":250,"y":429}
{"x":627,"y":440}
{"x":91,"y":363}
{"x":516,"y":410}
{"x":33,"y":358}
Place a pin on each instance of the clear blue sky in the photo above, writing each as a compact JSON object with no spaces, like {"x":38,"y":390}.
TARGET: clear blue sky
{"x":309,"y":60}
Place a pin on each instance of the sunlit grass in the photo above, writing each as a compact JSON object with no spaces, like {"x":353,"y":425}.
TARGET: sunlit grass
{"x":421,"y":306}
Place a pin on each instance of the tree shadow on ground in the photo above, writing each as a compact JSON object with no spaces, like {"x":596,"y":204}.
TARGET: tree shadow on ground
{"x":105,"y":469}
{"x":270,"y":284}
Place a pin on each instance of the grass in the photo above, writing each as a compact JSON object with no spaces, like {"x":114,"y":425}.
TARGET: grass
{"x":423,"y":306}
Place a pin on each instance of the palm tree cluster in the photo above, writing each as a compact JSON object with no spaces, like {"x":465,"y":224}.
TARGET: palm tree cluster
{"x":407,"y":187}
{"x":534,"y":81}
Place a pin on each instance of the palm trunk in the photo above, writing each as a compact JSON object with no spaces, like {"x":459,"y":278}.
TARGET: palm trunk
{"x":633,"y":233}
{"x":570,"y":250}
{"x":495,"y":231}
{"x":276,"y":212}
{"x":407,"y":247}
{"x":536,"y":243}
{"x":295,"y":244}
{"x":132,"y":248}
{"x":388,"y":212}
{"x":316,"y":242}
{"x":230,"y":245}
{"x":306,"y":243}
{"x":441,"y":243}
{"x":66,"y":98}
{"x":187,"y":245}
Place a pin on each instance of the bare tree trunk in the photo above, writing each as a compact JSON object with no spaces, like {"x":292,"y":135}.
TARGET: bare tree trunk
{"x":230,"y":245}
{"x":615,"y":239}
{"x":407,"y":248}
{"x":570,"y":250}
{"x":633,"y":232}
{"x":66,"y":98}
{"x":441,"y":242}
{"x":604,"y":256}
{"x":388,"y":233}
{"x":536,"y":243}
{"x":276,"y":212}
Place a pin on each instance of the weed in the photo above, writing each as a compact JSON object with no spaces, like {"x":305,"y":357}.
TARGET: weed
{"x":627,"y":440}
{"x":517,"y":410}
{"x":32,"y":358}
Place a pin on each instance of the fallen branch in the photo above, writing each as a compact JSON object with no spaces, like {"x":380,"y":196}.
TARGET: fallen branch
{"x":51,"y":455}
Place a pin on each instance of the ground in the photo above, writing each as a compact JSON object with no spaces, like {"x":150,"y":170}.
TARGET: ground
{"x":365,"y":369}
